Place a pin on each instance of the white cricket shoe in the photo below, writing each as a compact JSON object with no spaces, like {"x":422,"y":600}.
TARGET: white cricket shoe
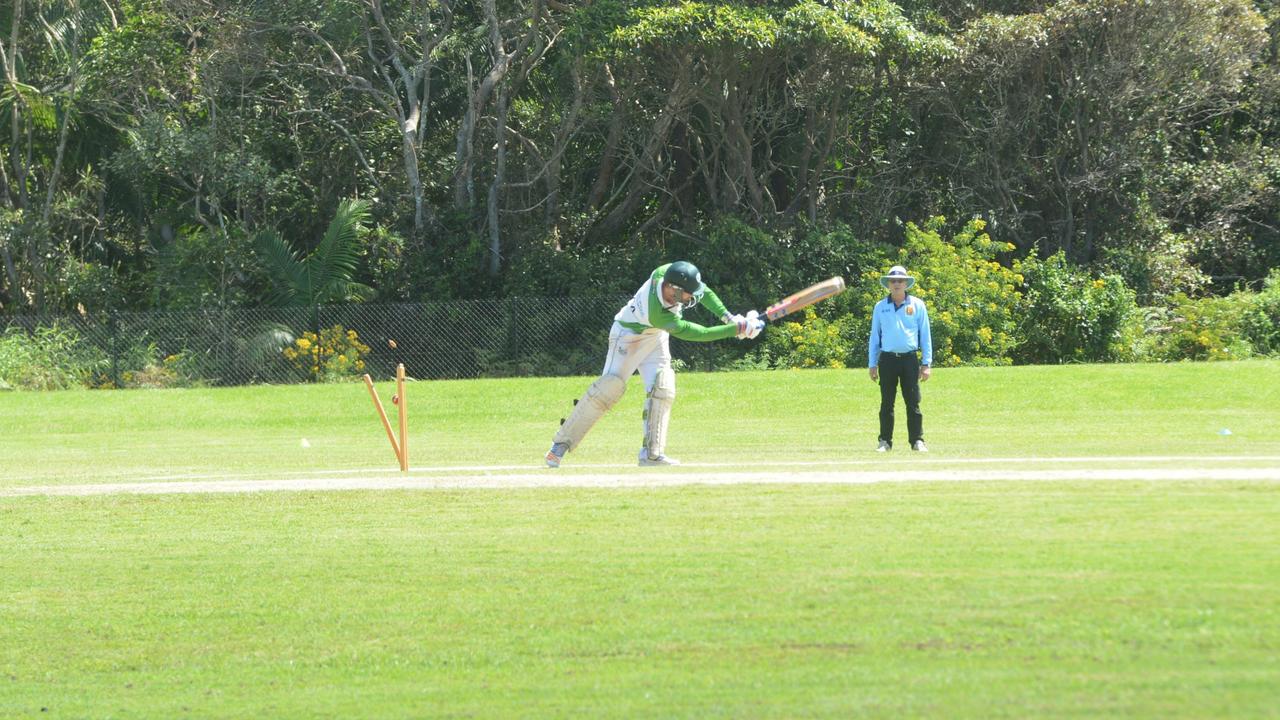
{"x":556,"y":454}
{"x":659,"y":461}
{"x":919,"y":446}
{"x":884,"y":446}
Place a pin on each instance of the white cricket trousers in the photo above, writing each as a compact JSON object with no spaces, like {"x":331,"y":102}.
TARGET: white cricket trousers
{"x":630,"y":352}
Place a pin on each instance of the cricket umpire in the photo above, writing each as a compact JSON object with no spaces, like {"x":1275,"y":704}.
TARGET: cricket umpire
{"x":900,"y":351}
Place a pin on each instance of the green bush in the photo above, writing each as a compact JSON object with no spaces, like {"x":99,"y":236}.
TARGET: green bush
{"x":60,"y":357}
{"x":741,"y":262}
{"x":1153,"y":260}
{"x":971,"y":297}
{"x":1199,"y":329}
{"x":86,"y":285}
{"x":198,"y":269}
{"x":1261,"y":319}
{"x":53,"y":357}
{"x":150,"y":371}
{"x":1068,"y":317}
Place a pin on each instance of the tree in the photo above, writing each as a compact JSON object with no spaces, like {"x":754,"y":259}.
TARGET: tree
{"x":42,"y":53}
{"x":388,"y":59}
{"x":1056,"y":122}
{"x":759,"y":110}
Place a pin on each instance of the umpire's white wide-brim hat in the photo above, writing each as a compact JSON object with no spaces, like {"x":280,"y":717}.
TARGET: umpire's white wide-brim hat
{"x":897,"y":272}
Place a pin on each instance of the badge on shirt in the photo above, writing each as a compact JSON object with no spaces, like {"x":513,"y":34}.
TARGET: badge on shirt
{"x":911,"y":309}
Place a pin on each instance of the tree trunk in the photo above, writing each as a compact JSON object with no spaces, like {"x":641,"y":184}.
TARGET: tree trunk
{"x":409,"y":151}
{"x":677,"y":101}
{"x":495,"y":188}
{"x":10,"y":57}
{"x":803,"y":180}
{"x":410,"y":95}
{"x":65,"y":123}
{"x":739,"y":145}
{"x":465,"y":147}
{"x":552,"y":210}
{"x":13,"y":290}
{"x":604,"y":175}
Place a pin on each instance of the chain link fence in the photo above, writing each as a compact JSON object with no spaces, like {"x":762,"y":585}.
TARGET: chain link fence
{"x":446,"y":340}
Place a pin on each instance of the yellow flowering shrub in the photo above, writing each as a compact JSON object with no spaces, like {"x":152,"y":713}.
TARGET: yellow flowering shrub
{"x":813,"y":342}
{"x":972,"y":299}
{"x":334,"y":354}
{"x":1200,"y":329}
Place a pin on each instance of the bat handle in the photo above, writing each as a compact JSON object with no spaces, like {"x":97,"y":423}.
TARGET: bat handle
{"x":773,"y":313}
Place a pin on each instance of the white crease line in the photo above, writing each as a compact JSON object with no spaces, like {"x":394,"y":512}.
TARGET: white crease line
{"x":659,"y":478}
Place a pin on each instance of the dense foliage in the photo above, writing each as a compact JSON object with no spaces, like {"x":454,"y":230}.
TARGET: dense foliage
{"x":1069,"y":317}
{"x":168,"y":154}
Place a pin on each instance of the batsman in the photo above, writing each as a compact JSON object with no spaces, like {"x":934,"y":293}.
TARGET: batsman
{"x":640,"y":342}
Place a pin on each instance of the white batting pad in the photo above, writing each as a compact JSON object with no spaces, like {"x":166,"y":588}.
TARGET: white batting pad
{"x":603,"y":394}
{"x":657,"y":412}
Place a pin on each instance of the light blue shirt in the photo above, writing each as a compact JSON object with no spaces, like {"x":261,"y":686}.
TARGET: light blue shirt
{"x":902,"y":328}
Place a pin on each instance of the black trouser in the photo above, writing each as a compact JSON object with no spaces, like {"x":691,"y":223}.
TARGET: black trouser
{"x":904,"y":368}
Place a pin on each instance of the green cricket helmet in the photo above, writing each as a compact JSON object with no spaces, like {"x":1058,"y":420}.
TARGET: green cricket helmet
{"x":686,"y":277}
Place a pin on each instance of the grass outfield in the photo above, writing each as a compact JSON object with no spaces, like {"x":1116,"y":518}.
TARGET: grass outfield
{"x":722,"y":418}
{"x":975,"y":599}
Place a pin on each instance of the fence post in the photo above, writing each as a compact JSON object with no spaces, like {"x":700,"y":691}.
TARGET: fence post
{"x":513,"y":331}
{"x":113,"y":331}
{"x":315,"y":328}
{"x":225,"y":343}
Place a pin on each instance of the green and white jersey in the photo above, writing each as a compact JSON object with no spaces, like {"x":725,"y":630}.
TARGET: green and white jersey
{"x":645,"y":311}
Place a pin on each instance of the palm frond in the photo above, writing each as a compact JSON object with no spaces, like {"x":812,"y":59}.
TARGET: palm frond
{"x":358,"y":292}
{"x":284,"y":266}
{"x":326,"y":274}
{"x":267,"y":342}
{"x":338,"y":248}
{"x":40,"y":107}
{"x":336,"y":259}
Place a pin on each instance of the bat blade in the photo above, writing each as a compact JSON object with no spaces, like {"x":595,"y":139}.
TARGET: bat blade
{"x":804,"y":298}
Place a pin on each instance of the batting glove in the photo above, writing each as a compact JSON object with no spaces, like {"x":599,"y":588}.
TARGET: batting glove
{"x":736,"y":319}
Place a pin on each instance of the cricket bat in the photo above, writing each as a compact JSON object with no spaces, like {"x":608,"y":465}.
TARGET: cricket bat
{"x":803,"y":299}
